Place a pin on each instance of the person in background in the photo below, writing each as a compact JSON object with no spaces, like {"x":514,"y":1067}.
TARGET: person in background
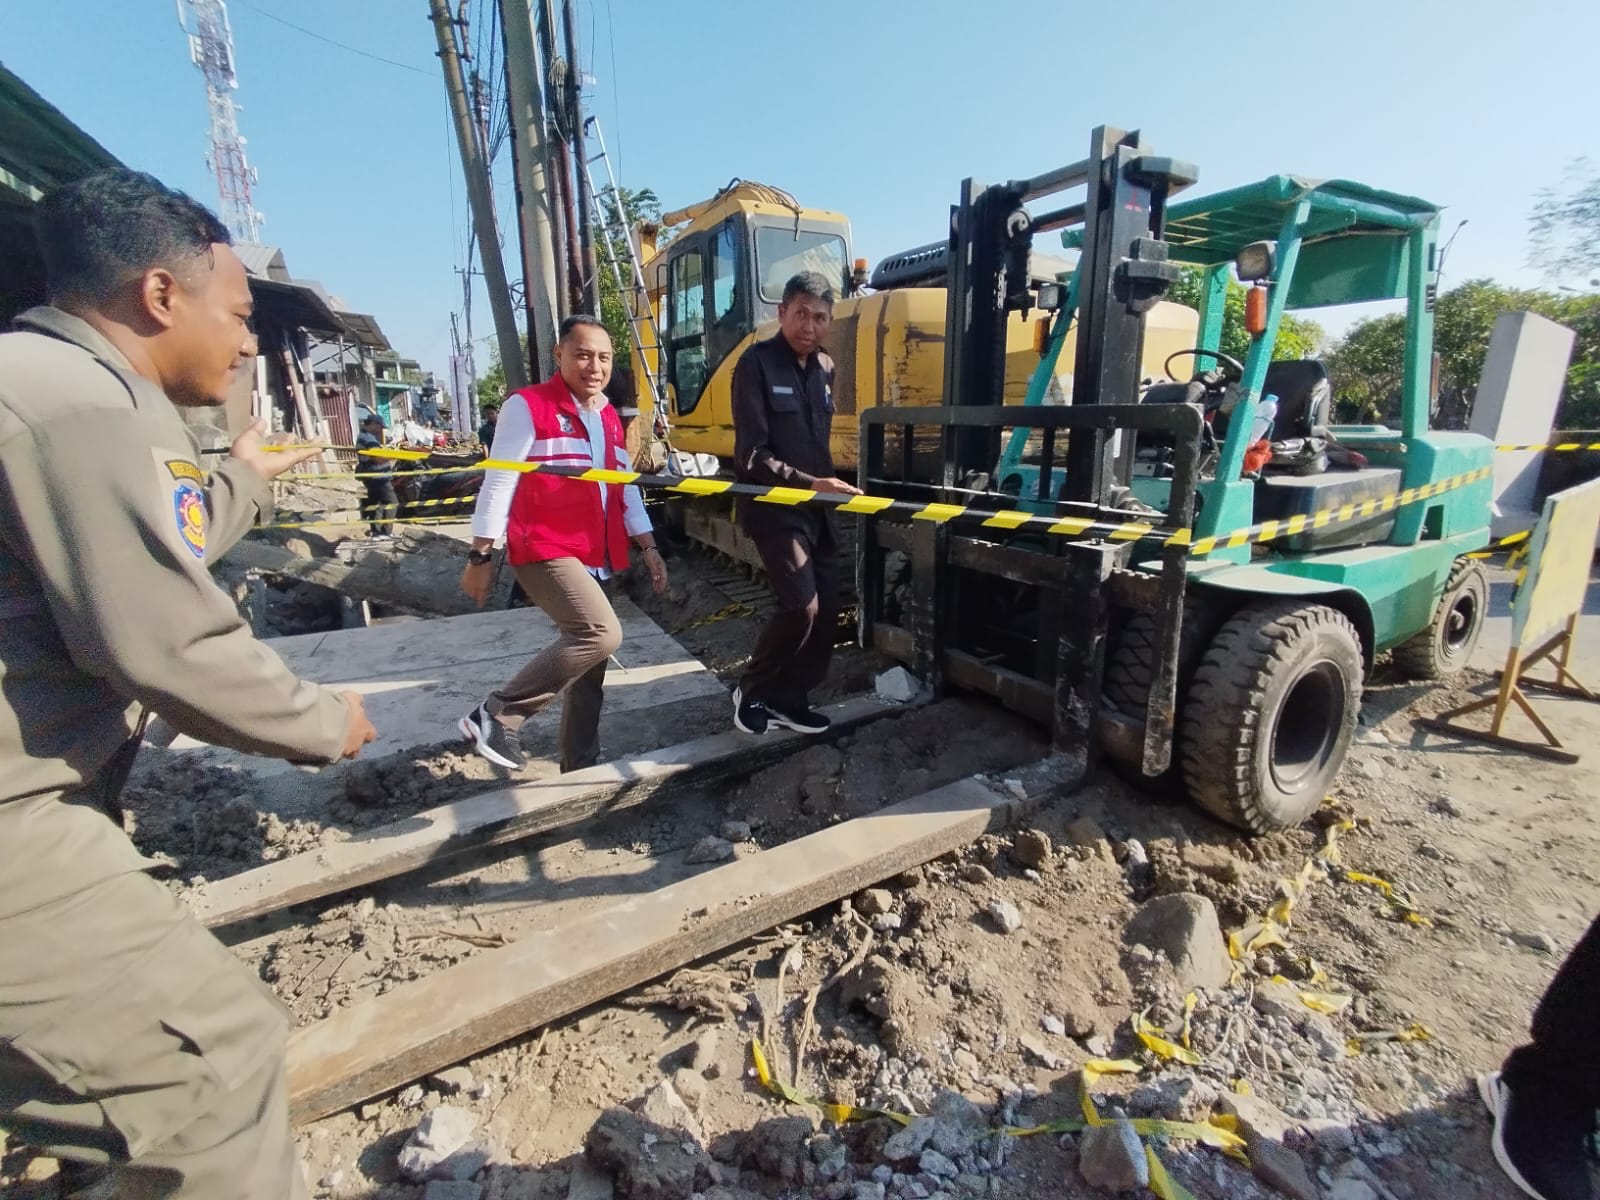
{"x":378,"y":477}
{"x":134,"y":1046}
{"x":782,"y":420}
{"x":491,"y":414}
{"x":564,"y":539}
{"x":1543,"y":1097}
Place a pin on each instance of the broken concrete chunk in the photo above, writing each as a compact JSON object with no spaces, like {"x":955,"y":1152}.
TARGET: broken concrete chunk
{"x":735,"y":831}
{"x":1032,"y":848}
{"x":1259,"y":1120}
{"x":710,"y":850}
{"x":1006,"y":917}
{"x":1184,"y":927}
{"x":1111,"y":1158}
{"x":1086,"y":834}
{"x":1279,"y":1167}
{"x":644,"y":1164}
{"x":454,"y":1081}
{"x":897,"y":685}
{"x":1041,"y":1053}
{"x":437,"y":1136}
{"x":908,"y":1143}
{"x":663,"y":1107}
{"x":874,"y":902}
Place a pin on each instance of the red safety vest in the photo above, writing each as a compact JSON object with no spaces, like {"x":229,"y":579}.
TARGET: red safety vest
{"x":552,"y":517}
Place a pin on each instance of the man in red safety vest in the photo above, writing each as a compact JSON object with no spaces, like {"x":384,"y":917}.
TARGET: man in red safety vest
{"x":563,"y":538}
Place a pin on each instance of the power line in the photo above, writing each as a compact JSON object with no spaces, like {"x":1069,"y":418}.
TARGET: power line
{"x":311,"y":33}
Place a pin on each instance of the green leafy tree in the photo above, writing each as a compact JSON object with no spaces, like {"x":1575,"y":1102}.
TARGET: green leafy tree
{"x":638,"y":204}
{"x":1564,"y":228}
{"x":492,"y":383}
{"x":1366,"y":364}
{"x":1297,"y":337}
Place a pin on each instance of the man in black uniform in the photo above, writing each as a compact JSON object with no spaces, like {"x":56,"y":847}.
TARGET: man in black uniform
{"x":379,"y":477}
{"x":782,"y":419}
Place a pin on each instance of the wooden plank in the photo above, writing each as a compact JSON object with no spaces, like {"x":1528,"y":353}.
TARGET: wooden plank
{"x":383,"y":1043}
{"x":506,"y":815}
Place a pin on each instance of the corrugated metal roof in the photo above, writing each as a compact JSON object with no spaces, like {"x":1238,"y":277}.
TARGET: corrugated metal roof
{"x":264,"y":262}
{"x":365,"y":330}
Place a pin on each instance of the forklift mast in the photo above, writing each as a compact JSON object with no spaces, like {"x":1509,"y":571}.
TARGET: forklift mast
{"x":1123,"y":270}
{"x":995,"y":608}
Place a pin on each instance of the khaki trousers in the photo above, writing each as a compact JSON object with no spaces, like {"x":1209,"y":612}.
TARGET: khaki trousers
{"x":573,"y":666}
{"x":130,"y":1038}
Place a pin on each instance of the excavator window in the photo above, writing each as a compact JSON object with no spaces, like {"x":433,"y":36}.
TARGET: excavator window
{"x":686,"y":328}
{"x":783,"y":252}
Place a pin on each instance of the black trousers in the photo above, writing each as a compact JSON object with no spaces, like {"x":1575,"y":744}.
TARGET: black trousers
{"x":1563,"y":1059}
{"x":381,"y":505}
{"x":793,"y":649}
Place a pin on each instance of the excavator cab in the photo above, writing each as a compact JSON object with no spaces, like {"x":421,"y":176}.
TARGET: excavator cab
{"x":722,"y":276}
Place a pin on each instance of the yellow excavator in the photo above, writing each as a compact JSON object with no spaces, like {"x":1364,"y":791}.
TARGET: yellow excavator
{"x":714,"y":287}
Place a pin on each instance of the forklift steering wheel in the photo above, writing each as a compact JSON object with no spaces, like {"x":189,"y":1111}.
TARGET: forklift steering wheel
{"x":1232,"y":368}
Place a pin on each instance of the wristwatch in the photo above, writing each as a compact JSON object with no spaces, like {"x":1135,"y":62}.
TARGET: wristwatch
{"x":479,"y":557}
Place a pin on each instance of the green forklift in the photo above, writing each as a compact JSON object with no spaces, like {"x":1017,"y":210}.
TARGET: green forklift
{"x":1259,"y":557}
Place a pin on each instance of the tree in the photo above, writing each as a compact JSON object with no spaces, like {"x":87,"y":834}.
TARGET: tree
{"x":1564,"y":230}
{"x":1297,"y":337}
{"x":492,"y":383}
{"x":1366,"y":365}
{"x":638,"y":204}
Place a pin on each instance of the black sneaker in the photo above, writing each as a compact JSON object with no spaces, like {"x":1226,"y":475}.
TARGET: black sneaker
{"x":1539,"y":1145}
{"x":493,"y":740}
{"x":800,"y":719}
{"x":749,"y":716}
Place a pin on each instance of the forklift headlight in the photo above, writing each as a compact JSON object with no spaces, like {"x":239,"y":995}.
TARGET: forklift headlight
{"x":1051,"y":296}
{"x":1256,"y":261}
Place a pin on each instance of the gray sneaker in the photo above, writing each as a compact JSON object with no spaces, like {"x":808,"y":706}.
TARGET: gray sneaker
{"x":493,"y":740}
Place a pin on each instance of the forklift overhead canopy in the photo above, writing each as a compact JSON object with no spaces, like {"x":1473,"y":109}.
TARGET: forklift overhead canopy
{"x":1355,"y":244}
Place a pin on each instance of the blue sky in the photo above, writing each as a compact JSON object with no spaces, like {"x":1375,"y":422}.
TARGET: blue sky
{"x":872,"y":108}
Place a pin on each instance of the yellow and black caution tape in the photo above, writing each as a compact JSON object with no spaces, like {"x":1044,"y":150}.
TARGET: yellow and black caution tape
{"x":1005,"y":520}
{"x":1560,"y":446}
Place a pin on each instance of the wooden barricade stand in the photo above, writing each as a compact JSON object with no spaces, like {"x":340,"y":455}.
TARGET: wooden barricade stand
{"x":1544,"y":622}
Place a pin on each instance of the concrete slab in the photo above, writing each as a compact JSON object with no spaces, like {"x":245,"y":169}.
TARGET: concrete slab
{"x":421,"y":677}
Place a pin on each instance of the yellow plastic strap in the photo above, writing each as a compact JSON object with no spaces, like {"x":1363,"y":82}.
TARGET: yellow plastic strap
{"x":607,"y":475}
{"x":701,"y":487}
{"x":866,"y":504}
{"x":790,"y":496}
{"x":1008,"y":518}
{"x":1162,"y":1184}
{"x":1150,"y":1035}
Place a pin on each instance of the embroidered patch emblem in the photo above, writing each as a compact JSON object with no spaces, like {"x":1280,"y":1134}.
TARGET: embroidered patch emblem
{"x":564,"y":422}
{"x":189,"y":507}
{"x":180,"y":468}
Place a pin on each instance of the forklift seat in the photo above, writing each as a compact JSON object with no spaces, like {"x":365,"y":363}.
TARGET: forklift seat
{"x":1305,"y":396}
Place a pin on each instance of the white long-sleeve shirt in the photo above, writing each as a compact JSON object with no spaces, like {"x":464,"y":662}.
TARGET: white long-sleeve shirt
{"x":513,"y":440}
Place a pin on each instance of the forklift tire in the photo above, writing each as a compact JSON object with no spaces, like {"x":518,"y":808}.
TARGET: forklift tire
{"x":1443,"y":648}
{"x":1130,"y":669}
{"x":1270,"y":714}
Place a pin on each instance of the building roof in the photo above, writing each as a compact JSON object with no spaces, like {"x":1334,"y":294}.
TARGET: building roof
{"x":263,"y":261}
{"x":39,"y":149}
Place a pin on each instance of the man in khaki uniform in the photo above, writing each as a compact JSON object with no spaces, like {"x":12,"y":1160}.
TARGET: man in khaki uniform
{"x":131,"y":1040}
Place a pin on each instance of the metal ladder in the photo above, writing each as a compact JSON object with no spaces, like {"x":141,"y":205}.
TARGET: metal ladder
{"x":646,"y":334}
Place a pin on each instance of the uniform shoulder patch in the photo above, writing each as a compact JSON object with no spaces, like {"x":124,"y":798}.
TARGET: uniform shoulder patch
{"x":182,"y":468}
{"x":189,"y":508}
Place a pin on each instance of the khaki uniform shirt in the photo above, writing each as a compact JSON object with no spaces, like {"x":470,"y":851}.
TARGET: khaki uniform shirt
{"x":107,"y":520}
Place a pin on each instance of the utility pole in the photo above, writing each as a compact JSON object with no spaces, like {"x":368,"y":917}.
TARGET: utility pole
{"x":571,"y":271}
{"x":589,"y":264}
{"x":525,"y":97}
{"x":477,"y":177}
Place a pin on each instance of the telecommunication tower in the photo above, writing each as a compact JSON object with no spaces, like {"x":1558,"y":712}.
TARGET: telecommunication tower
{"x":211,"y":48}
